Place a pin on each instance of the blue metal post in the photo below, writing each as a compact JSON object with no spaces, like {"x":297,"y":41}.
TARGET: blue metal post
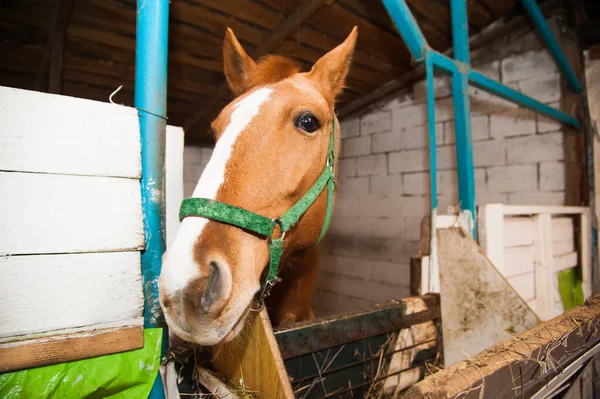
{"x":151,"y":102}
{"x":408,"y":27}
{"x":462,"y":113}
{"x":559,"y":57}
{"x":434,"y":283}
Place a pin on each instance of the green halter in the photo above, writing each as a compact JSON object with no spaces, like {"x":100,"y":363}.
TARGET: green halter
{"x":264,"y":226}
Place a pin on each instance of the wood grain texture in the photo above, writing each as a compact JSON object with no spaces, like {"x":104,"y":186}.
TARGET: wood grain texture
{"x":480,"y":307}
{"x":44,"y":351}
{"x":254,"y":355}
{"x":44,"y":293}
{"x":42,"y":213}
{"x":57,"y":134}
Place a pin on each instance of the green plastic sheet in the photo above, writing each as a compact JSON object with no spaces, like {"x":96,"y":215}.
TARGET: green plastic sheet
{"x":121,"y":375}
{"x":569,"y":286}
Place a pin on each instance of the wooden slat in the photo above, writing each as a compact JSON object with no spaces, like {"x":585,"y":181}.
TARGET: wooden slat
{"x":254,"y":357}
{"x":57,"y":134}
{"x":173,"y":180}
{"x":43,"y":213}
{"x":585,"y":248}
{"x":491,"y":233}
{"x":518,"y":231}
{"x":539,"y":209}
{"x":41,"y":293}
{"x":43,"y":351}
{"x":565,"y":261}
{"x":544,"y":266}
{"x":517,"y":260}
{"x":562,"y":229}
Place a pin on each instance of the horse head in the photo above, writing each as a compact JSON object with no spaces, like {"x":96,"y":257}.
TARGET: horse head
{"x":273,"y":143}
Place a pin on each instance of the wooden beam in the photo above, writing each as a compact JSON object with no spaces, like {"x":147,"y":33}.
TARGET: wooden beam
{"x":52,"y":59}
{"x":282,"y":32}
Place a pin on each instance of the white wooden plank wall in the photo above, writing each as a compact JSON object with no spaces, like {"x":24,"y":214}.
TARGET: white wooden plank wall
{"x":48,"y":133}
{"x":44,"y":213}
{"x":72,"y":290}
{"x":70,"y":214}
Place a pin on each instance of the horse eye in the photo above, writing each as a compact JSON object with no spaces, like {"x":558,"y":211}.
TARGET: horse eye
{"x":309,"y":123}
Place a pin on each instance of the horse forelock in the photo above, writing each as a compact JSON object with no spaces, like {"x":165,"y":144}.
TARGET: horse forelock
{"x":271,"y":69}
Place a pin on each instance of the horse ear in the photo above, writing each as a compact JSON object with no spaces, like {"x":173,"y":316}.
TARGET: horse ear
{"x":331,"y":69}
{"x":237,"y":62}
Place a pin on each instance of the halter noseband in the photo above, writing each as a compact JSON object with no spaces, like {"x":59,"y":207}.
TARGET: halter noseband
{"x":264,"y":226}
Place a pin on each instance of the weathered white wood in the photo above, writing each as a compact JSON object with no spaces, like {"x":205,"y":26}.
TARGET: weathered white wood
{"x":43,"y":293}
{"x":479,"y":308}
{"x":58,"y":134}
{"x":41,"y":213}
{"x":544,"y":267}
{"x":517,"y":260}
{"x":491,"y":233}
{"x":585,"y":237}
{"x":563,"y":247}
{"x":425,"y":275}
{"x":540,"y":209}
{"x":518,"y":231}
{"x":562,"y":229}
{"x":565,"y":261}
{"x":174,"y":179}
{"x":524,"y":285}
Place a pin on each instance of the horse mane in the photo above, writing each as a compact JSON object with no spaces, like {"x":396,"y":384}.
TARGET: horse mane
{"x":271,"y":69}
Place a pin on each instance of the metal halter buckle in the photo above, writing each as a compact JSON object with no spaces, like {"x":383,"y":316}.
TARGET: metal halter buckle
{"x":269,"y":286}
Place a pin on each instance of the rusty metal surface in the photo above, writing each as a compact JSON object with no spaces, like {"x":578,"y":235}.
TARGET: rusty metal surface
{"x":322,"y":333}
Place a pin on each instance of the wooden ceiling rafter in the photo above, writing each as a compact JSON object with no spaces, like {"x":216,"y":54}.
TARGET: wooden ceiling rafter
{"x":286,"y":28}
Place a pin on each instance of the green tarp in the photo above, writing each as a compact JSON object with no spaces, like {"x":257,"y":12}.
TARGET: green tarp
{"x":121,"y":375}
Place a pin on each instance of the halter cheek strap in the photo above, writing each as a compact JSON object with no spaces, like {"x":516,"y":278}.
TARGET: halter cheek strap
{"x":250,"y":221}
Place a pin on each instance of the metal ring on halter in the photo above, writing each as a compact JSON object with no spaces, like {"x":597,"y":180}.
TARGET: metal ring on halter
{"x":261,"y":306}
{"x":276,"y":220}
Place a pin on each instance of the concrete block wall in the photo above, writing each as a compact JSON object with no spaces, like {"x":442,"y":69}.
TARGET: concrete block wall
{"x":383,"y":190}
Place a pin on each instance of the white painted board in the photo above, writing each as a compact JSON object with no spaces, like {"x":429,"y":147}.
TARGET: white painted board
{"x":50,"y":292}
{"x":49,"y":133}
{"x":41,"y":213}
{"x":173,"y":179}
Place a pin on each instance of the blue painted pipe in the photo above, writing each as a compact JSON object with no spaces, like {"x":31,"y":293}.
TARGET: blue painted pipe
{"x":460,"y":30}
{"x":152,"y":38}
{"x":408,"y":27}
{"x":449,"y":67}
{"x":462,"y":112}
{"x":559,"y":57}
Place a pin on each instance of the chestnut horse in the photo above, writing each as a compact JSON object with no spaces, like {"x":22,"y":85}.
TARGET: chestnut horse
{"x":273,"y":143}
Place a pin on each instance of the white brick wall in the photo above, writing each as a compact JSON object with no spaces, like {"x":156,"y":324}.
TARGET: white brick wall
{"x":384,"y":176}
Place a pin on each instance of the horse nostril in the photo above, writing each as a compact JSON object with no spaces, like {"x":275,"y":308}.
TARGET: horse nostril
{"x":213,"y":288}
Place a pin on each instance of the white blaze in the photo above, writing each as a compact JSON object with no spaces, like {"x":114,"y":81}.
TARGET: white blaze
{"x":179,"y":267}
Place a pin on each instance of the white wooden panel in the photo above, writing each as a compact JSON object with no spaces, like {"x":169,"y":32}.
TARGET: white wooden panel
{"x":50,"y":292}
{"x":539,"y":209}
{"x":518,"y":231}
{"x":174,"y":179}
{"x":562,"y":229}
{"x":58,"y":214}
{"x":491,"y":233}
{"x":544,"y":266}
{"x":518,"y":260}
{"x":565,"y":261}
{"x":563,"y":247}
{"x":586,"y":253}
{"x":57,"y":134}
{"x":524,"y":284}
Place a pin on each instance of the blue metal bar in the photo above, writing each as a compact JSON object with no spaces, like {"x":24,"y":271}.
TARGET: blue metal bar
{"x":462,"y":113}
{"x":493,"y":87}
{"x":539,"y":21}
{"x":460,"y":30}
{"x":151,"y":102}
{"x":434,"y":285}
{"x":408,"y":27}
{"x":449,"y":67}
